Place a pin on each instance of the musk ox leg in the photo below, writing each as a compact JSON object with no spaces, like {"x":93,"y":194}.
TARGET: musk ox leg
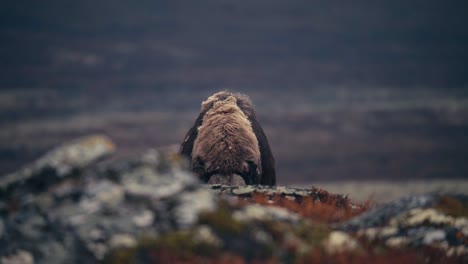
{"x":198,"y":167}
{"x":251,"y":176}
{"x":268,"y":161}
{"x":233,"y":179}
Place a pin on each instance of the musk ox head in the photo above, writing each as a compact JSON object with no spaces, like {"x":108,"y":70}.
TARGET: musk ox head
{"x":227,"y":145}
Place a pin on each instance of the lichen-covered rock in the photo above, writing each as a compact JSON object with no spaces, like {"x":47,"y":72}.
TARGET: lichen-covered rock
{"x":81,"y":218}
{"x":382,"y":214}
{"x":63,"y":161}
{"x":20,"y":257}
{"x":417,"y":221}
{"x":291,"y":193}
{"x":68,"y":208}
{"x":257,"y":212}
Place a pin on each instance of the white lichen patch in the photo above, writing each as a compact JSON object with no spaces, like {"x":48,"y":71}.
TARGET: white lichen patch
{"x":191,"y":204}
{"x":204,"y":233}
{"x":143,"y":219}
{"x":96,"y":234}
{"x":388,"y":231}
{"x":258,"y":212}
{"x":262,"y":236}
{"x":420,"y":216}
{"x":373,"y":233}
{"x":122,"y":240}
{"x":285,"y":190}
{"x":461,"y":222}
{"x":433,"y":237}
{"x":99,"y":250}
{"x":146,"y":182}
{"x":293,"y":241}
{"x":397,"y":242}
{"x":108,"y":193}
{"x":339,"y":241}
{"x":457,"y":251}
{"x":244,"y":190}
{"x":20,"y":257}
{"x":464,"y":230}
{"x":370,"y":233}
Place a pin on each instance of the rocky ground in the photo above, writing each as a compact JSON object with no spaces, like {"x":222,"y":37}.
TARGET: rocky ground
{"x":77,"y":205}
{"x":384,"y":191}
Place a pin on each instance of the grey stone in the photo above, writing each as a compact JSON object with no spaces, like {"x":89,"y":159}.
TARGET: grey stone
{"x":414,"y":222}
{"x":191,"y":204}
{"x":49,"y":213}
{"x":58,"y":163}
{"x":258,"y":212}
{"x":433,"y":236}
{"x":101,"y":208}
{"x":244,"y":190}
{"x":21,"y":257}
{"x":382,"y":214}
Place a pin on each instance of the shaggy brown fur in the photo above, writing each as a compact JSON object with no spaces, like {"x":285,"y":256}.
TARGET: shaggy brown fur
{"x":227,"y":140}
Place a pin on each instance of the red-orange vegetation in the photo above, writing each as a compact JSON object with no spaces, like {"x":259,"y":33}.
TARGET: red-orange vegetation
{"x":321,"y":206}
{"x":169,"y":256}
{"x":388,"y":256}
{"x":383,"y":255}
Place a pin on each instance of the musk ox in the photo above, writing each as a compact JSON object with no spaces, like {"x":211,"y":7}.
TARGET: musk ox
{"x":227,"y":145}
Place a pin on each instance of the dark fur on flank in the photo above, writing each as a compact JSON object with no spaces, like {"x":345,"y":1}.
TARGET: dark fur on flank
{"x":227,"y":143}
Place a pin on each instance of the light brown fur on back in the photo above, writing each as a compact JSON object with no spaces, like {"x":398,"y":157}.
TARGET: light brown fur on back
{"x":242,"y":100}
{"x":225,"y":139}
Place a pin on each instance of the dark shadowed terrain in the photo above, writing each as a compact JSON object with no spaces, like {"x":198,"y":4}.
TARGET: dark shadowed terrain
{"x":345,"y":91}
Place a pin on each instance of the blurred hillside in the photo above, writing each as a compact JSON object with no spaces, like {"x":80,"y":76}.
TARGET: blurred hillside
{"x":361,"y":90}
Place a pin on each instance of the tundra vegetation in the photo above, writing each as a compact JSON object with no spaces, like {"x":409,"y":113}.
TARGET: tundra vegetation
{"x":79,"y":204}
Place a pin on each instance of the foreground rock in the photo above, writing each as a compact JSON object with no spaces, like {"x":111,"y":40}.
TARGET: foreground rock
{"x":58,"y":211}
{"x":69,"y":208}
{"x":62,"y":162}
{"x":426,"y":220}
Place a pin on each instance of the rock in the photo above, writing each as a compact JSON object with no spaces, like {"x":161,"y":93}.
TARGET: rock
{"x":60,"y":162}
{"x":141,"y":182}
{"x":21,"y":257}
{"x":419,"y":216}
{"x":244,"y":190}
{"x":191,"y":203}
{"x":65,"y":208}
{"x":82,"y":218}
{"x":258,"y":212}
{"x":290,"y":193}
{"x":415,"y":222}
{"x":433,"y":237}
{"x":382,"y":214}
